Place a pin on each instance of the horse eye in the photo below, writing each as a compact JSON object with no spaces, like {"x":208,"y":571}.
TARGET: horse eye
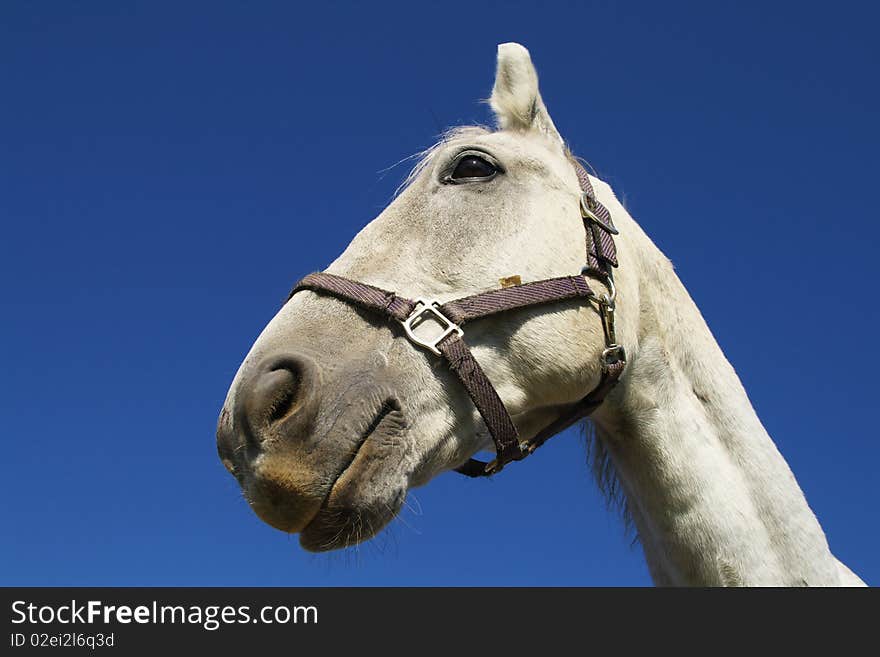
{"x":473,"y":166}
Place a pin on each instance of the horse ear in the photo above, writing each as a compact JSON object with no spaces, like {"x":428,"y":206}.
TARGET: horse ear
{"x":515,"y":98}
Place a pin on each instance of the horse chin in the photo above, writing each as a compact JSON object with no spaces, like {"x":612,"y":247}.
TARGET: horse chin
{"x":362,"y":501}
{"x":340,"y":526}
{"x":365,"y":496}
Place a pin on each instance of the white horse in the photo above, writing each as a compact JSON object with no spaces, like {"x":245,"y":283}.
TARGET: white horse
{"x":334,"y":415}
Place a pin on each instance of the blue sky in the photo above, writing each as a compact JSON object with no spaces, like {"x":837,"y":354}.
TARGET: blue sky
{"x":167,"y":170}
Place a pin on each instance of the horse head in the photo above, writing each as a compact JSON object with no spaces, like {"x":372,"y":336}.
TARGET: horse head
{"x":334,"y":415}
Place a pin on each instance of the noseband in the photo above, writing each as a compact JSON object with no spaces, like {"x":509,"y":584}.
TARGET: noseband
{"x":452,"y":315}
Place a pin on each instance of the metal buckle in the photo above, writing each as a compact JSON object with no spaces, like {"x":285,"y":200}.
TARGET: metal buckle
{"x":588,"y":211}
{"x":429,"y":307}
{"x":495,"y":466}
{"x":607,"y":281}
{"x":588,"y":206}
{"x":613,"y":352}
{"x":612,"y":355}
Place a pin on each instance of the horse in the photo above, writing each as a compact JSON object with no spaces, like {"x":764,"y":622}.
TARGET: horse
{"x":353,"y":394}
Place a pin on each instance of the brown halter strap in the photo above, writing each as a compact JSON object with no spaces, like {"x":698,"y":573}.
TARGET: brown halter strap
{"x":452,"y":315}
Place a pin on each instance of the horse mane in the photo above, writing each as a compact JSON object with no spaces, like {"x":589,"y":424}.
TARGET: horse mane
{"x":605,"y":475}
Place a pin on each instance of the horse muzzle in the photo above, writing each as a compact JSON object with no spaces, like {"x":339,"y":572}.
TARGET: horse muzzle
{"x":301,"y":450}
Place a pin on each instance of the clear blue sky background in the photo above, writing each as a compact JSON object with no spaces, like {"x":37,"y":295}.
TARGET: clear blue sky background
{"x":168,"y":169}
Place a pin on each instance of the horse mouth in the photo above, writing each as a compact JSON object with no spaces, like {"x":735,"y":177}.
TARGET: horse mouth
{"x":349,"y":514}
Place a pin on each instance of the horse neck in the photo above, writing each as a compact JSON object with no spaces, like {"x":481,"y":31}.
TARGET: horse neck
{"x":711,"y":497}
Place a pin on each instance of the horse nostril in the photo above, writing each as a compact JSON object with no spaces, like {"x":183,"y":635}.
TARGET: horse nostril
{"x":278,"y":392}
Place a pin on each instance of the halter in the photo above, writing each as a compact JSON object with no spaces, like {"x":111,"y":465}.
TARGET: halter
{"x":452,"y":315}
